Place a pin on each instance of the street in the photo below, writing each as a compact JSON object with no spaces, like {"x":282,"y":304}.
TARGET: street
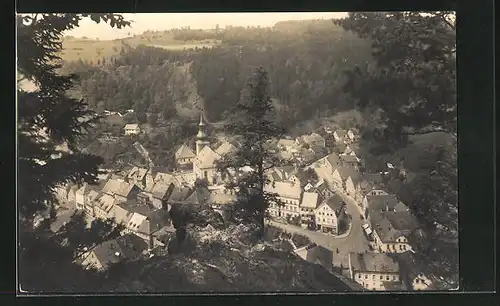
{"x":354,"y":242}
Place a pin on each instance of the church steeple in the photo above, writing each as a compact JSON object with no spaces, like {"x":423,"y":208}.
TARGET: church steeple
{"x":201,"y":137}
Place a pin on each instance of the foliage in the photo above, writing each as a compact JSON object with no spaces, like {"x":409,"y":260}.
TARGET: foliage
{"x":47,"y":118}
{"x":253,"y":127}
{"x":413,"y":81}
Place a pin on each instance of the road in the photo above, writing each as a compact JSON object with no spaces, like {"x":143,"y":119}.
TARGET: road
{"x":354,"y":242}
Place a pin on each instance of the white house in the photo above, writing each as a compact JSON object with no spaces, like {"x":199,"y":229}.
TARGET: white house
{"x":290,"y":195}
{"x":391,"y":230}
{"x":310,"y":201}
{"x":132,"y":129}
{"x":374,"y":271}
{"x":204,"y":165}
{"x":327,"y":214}
{"x":412,"y":272}
{"x":312,"y":140}
{"x":138,"y":176}
{"x":352,"y":135}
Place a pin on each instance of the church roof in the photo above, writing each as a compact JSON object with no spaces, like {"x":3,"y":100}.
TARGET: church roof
{"x":184,"y":152}
{"x":206,"y":158}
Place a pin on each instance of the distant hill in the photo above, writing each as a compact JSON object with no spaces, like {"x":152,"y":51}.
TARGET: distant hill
{"x":91,"y":49}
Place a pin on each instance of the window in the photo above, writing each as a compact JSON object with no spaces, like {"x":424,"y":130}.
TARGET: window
{"x":373,"y":276}
{"x":359,"y":276}
{"x":404,"y":247}
{"x":394,"y":277}
{"x":205,"y":174}
{"x":417,"y":281}
{"x":400,"y":247}
{"x":387,"y":277}
{"x":366,"y":276}
{"x":381,"y":277}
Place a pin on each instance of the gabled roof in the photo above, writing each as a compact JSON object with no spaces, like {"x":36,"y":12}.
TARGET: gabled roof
{"x":320,"y":255}
{"x":131,"y":126}
{"x":373,"y":262}
{"x":285,"y":190}
{"x":117,"y":187}
{"x":106,"y":202}
{"x":92,"y":195}
{"x":135,"y":221}
{"x":225,"y":148}
{"x":121,"y":214}
{"x":333,"y":159}
{"x":335,"y":202}
{"x":381,"y":202}
{"x":179,"y":194}
{"x":162,"y":177}
{"x":184,"y":152}
{"x":346,"y":172}
{"x":392,"y":225}
{"x":206,"y":158}
{"x":128,"y":246}
{"x":137,"y":173}
{"x":310,"y":200}
{"x":83,"y":190}
{"x":160,"y":190}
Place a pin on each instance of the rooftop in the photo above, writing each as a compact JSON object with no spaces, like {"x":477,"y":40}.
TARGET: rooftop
{"x":310,"y":200}
{"x":184,"y":152}
{"x":373,"y":262}
{"x":285,"y":189}
{"x":132,"y":126}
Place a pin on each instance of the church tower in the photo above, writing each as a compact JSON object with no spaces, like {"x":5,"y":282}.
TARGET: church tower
{"x":201,"y":137}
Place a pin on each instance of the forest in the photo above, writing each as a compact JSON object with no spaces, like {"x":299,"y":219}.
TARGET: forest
{"x":306,"y":67}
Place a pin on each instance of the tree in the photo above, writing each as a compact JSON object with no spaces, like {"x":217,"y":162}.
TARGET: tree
{"x":413,"y":79}
{"x":251,"y":124}
{"x":47,"y":118}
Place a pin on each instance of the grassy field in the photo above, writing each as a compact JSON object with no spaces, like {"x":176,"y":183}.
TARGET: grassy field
{"x":93,"y":49}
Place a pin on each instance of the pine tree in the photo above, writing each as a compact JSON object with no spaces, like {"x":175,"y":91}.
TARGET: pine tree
{"x":253,"y":127}
{"x":48,"y":118}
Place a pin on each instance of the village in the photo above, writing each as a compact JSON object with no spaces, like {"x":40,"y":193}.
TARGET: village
{"x":352,"y":216}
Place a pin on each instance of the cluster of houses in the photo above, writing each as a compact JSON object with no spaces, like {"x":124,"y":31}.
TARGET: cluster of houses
{"x":308,"y":189}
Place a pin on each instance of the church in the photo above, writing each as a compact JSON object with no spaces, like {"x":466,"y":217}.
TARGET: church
{"x":205,"y":158}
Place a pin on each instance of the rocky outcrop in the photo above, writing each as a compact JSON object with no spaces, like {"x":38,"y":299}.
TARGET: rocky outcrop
{"x":226,"y":260}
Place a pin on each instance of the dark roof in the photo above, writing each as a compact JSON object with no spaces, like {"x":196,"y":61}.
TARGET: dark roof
{"x":373,"y":262}
{"x":320,"y":255}
{"x":333,"y":159}
{"x":335,"y":202}
{"x":199,"y":196}
{"x":410,"y":264}
{"x":392,"y":225}
{"x":128,"y":246}
{"x":381,"y":202}
{"x":179,"y":194}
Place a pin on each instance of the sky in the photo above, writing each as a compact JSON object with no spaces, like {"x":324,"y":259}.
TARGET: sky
{"x":165,"y":21}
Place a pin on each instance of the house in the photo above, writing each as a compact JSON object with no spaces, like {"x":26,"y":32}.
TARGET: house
{"x":137,"y":176}
{"x":339,"y":135}
{"x":351,"y":149}
{"x":184,"y":155}
{"x":377,"y":200}
{"x":204,"y":165}
{"x":286,"y":144}
{"x":352,"y":135}
{"x":162,"y":177}
{"x":103,"y":205}
{"x":310,"y":201}
{"x":127,"y":247}
{"x":323,"y":189}
{"x":340,"y":176}
{"x":121,"y":190}
{"x":413,"y":272}
{"x":155,"y":221}
{"x":374,"y":271}
{"x":159,"y":195}
{"x":89,"y":203}
{"x":289,"y":194}
{"x":316,"y":254}
{"x":225,"y":148}
{"x":368,"y":182}
{"x":120,"y":214}
{"x":328,"y":213}
{"x":178,"y":195}
{"x":350,"y":161}
{"x":391,"y":230}
{"x":132,"y":129}
{"x":71,"y":200}
{"x":312,"y":140}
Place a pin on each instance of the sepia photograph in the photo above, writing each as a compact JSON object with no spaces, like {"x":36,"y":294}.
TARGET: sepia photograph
{"x":195,"y":153}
